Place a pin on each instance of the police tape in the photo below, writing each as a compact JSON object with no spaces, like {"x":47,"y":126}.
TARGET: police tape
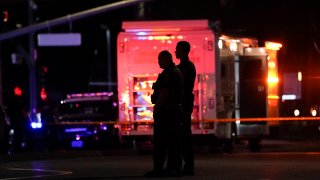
{"x":222,"y":120}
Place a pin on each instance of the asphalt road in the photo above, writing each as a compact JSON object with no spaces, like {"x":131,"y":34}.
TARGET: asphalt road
{"x":208,"y":166}
{"x":290,"y":161}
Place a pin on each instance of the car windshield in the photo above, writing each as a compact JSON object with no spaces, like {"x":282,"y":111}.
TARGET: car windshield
{"x":102,"y":110}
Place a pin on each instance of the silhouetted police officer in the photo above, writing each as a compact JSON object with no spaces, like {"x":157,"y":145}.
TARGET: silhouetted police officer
{"x":189,"y":74}
{"x":167,"y":114}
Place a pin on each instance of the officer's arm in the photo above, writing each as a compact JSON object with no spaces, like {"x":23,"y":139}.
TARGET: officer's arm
{"x":163,"y":96}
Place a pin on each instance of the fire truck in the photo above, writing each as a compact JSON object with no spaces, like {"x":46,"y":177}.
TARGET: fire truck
{"x":232,"y":81}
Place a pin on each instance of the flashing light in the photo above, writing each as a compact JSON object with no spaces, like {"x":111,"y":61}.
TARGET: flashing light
{"x":38,"y":116}
{"x":43,"y":94}
{"x":296,"y":112}
{"x":152,"y":29}
{"x":125,"y":98}
{"x":289,"y":97}
{"x":70,"y":130}
{"x":220,"y":44}
{"x":233,"y":46}
{"x":271,"y":64}
{"x":78,"y":137}
{"x":273,"y":45}
{"x":299,"y":76}
{"x":159,"y":38}
{"x":11,"y":132}
{"x":141,"y":33}
{"x":97,"y":94}
{"x":273,"y":97}
{"x":104,"y":127}
{"x":17,"y":91}
{"x":36,"y":125}
{"x":313,"y":112}
{"x":273,"y":80}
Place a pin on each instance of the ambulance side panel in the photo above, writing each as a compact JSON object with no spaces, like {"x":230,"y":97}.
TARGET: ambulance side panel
{"x":138,"y":67}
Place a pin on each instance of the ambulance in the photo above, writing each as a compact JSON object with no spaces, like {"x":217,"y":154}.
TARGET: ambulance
{"x":231,"y":76}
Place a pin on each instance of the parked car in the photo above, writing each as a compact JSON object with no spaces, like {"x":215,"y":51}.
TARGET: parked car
{"x":87,"y":120}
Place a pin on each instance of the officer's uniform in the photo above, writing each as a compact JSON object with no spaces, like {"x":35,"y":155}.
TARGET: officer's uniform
{"x":189,"y":74}
{"x":167,"y":119}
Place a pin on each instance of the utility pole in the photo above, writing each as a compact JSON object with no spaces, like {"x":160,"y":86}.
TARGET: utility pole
{"x":32,"y":65}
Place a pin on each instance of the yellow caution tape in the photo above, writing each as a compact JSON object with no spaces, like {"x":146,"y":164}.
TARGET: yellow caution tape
{"x":225,"y":120}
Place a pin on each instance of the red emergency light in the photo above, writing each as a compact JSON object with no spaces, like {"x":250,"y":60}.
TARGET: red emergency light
{"x":43,"y":94}
{"x":17,"y":91}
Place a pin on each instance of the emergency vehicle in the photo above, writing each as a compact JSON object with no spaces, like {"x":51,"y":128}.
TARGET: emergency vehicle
{"x":86,"y":120}
{"x":231,"y":80}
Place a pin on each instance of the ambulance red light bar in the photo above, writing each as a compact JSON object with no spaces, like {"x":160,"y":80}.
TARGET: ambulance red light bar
{"x":96,"y":94}
{"x":160,"y":38}
{"x":148,"y":30}
{"x":165,"y":25}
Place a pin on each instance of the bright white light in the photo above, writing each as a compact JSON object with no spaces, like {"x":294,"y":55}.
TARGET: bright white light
{"x":273,"y":79}
{"x":220,"y":44}
{"x":11,"y":132}
{"x":233,"y":46}
{"x":272,"y":64}
{"x":313,"y":112}
{"x":299,"y":76}
{"x":36,"y":125}
{"x":38,"y":115}
{"x":289,"y":97}
{"x":39,"y":125}
{"x":77,"y":137}
{"x":296,"y":112}
{"x":141,"y":33}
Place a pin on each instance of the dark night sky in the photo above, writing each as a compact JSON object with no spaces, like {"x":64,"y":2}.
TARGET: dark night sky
{"x":293,"y":23}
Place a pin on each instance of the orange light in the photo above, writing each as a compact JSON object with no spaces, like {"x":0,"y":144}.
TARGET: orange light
{"x":273,"y":45}
{"x":273,"y":97}
{"x":271,"y":64}
{"x":273,"y":79}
